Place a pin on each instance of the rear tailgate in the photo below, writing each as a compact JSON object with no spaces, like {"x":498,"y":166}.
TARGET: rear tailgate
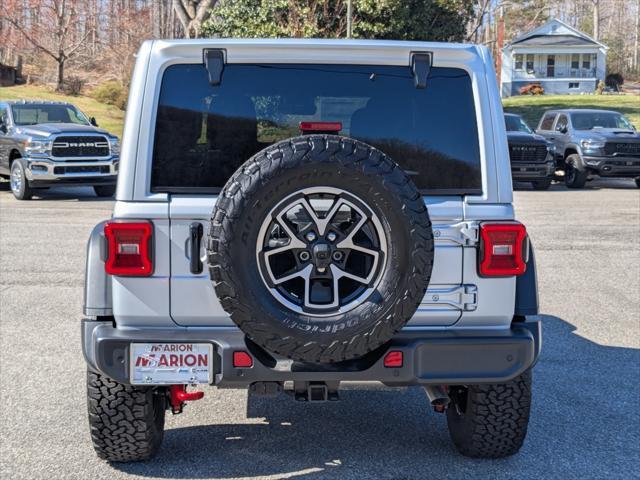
{"x":194,"y":302}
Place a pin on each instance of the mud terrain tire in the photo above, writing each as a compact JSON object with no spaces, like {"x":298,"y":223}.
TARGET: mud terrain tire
{"x":280,"y":171}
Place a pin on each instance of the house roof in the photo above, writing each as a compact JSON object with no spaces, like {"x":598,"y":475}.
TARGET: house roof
{"x":554,"y":33}
{"x":557,"y":40}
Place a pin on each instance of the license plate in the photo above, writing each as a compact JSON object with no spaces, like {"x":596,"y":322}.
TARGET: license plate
{"x":171,"y":363}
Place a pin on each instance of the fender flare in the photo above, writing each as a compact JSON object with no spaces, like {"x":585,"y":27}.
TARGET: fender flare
{"x":527,"y":288}
{"x":97,"y":284}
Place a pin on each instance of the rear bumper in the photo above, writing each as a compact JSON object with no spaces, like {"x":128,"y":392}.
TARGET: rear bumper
{"x":613,"y":166}
{"x":430,"y":357}
{"x":532,"y":171}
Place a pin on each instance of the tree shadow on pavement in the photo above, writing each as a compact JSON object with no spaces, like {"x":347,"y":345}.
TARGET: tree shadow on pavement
{"x":584,"y":424}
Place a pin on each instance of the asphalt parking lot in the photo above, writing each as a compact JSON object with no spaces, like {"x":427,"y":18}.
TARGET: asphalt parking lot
{"x":586,"y":414}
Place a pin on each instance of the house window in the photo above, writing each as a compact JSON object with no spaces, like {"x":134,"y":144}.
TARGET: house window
{"x":586,"y":61}
{"x":575,"y":61}
{"x":574,"y":85}
{"x":529,"y":65}
{"x":518,"y":58}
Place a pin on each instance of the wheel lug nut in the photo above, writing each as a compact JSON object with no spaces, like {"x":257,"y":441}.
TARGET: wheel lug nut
{"x":304,"y":256}
{"x":310,"y":236}
{"x":332,"y":237}
{"x":337,"y":255}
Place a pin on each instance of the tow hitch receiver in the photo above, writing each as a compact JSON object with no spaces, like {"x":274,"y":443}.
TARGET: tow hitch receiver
{"x":178,"y":395}
{"x":315,"y":392}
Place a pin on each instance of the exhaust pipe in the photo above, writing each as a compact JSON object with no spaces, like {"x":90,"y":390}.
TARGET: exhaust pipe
{"x":438,"y":397}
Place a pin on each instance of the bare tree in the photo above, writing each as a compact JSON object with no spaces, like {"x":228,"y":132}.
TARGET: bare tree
{"x":192,"y":13}
{"x":52,"y":33}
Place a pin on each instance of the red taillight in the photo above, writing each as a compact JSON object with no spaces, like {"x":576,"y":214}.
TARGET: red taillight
{"x":129,"y":249}
{"x":320,"y":127}
{"x":393,"y":359}
{"x":242,"y":360}
{"x":502,"y":249}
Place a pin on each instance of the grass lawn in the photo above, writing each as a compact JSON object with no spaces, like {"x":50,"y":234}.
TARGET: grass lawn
{"x":531,"y":107}
{"x":108,"y":117}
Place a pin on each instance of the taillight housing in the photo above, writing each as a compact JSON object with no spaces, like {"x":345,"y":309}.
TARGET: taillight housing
{"x":129,"y":249}
{"x":503,"y":249}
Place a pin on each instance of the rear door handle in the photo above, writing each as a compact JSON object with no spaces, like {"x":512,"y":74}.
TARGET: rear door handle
{"x":195,"y":235}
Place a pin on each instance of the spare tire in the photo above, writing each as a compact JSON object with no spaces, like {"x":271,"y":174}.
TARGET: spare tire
{"x":320,"y":248}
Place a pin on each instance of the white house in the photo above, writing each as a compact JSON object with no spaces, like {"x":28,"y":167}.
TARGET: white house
{"x":555,"y":55}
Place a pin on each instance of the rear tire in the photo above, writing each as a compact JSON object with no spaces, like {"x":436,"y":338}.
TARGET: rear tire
{"x":104,"y":190}
{"x":574,"y":176}
{"x":127,"y":423}
{"x":490,"y":421}
{"x":541,"y":184}
{"x":19,"y":184}
{"x":638,"y":182}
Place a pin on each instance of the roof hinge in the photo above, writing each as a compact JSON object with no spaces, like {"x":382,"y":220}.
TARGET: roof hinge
{"x":420,"y":67}
{"x":213,"y":59}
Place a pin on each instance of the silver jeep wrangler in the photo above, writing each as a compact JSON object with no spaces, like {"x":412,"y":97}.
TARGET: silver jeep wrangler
{"x":293,"y":214}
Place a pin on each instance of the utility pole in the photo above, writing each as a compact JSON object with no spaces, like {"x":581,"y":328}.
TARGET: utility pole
{"x":635,"y":43}
{"x":349,"y":15}
{"x":499,"y":42}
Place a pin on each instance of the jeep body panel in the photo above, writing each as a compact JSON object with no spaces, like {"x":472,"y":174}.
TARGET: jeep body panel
{"x":177,"y":305}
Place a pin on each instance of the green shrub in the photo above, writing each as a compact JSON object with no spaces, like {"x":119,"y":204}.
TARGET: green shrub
{"x":111,"y":92}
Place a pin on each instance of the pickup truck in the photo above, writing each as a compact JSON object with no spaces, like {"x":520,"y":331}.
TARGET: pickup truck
{"x":592,"y":143}
{"x":47,"y":144}
{"x":531,"y":156}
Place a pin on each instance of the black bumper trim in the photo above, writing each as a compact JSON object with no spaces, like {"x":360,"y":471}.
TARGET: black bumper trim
{"x":430,"y":357}
{"x":616,"y":166}
{"x":524,"y":172}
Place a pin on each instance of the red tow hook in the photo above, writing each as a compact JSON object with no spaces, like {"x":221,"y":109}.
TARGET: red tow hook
{"x":178,"y":395}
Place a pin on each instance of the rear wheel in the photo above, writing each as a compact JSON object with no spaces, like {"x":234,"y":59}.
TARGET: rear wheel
{"x":541,"y":185}
{"x":127,"y":423}
{"x":490,"y":421}
{"x":574,"y":177}
{"x":104,"y":190}
{"x":18,"y":181}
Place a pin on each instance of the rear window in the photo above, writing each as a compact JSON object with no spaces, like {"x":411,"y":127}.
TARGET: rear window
{"x":203,"y":133}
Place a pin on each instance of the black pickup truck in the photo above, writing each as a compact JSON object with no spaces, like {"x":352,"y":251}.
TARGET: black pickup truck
{"x":592,"y":142}
{"x":44,"y":144}
{"x":532,"y":157}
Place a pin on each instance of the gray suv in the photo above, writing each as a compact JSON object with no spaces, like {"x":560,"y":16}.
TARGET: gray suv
{"x":304,"y":214}
{"x":47,"y":144}
{"x":592,"y":142}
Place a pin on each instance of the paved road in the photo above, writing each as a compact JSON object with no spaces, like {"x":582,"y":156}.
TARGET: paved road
{"x":585,"y":421}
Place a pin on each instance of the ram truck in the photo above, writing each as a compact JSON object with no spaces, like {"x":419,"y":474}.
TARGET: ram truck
{"x":48,"y":144}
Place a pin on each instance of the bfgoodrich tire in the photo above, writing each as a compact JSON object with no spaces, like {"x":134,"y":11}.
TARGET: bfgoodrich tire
{"x":490,"y":421}
{"x":127,"y":423}
{"x":314,"y":317}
